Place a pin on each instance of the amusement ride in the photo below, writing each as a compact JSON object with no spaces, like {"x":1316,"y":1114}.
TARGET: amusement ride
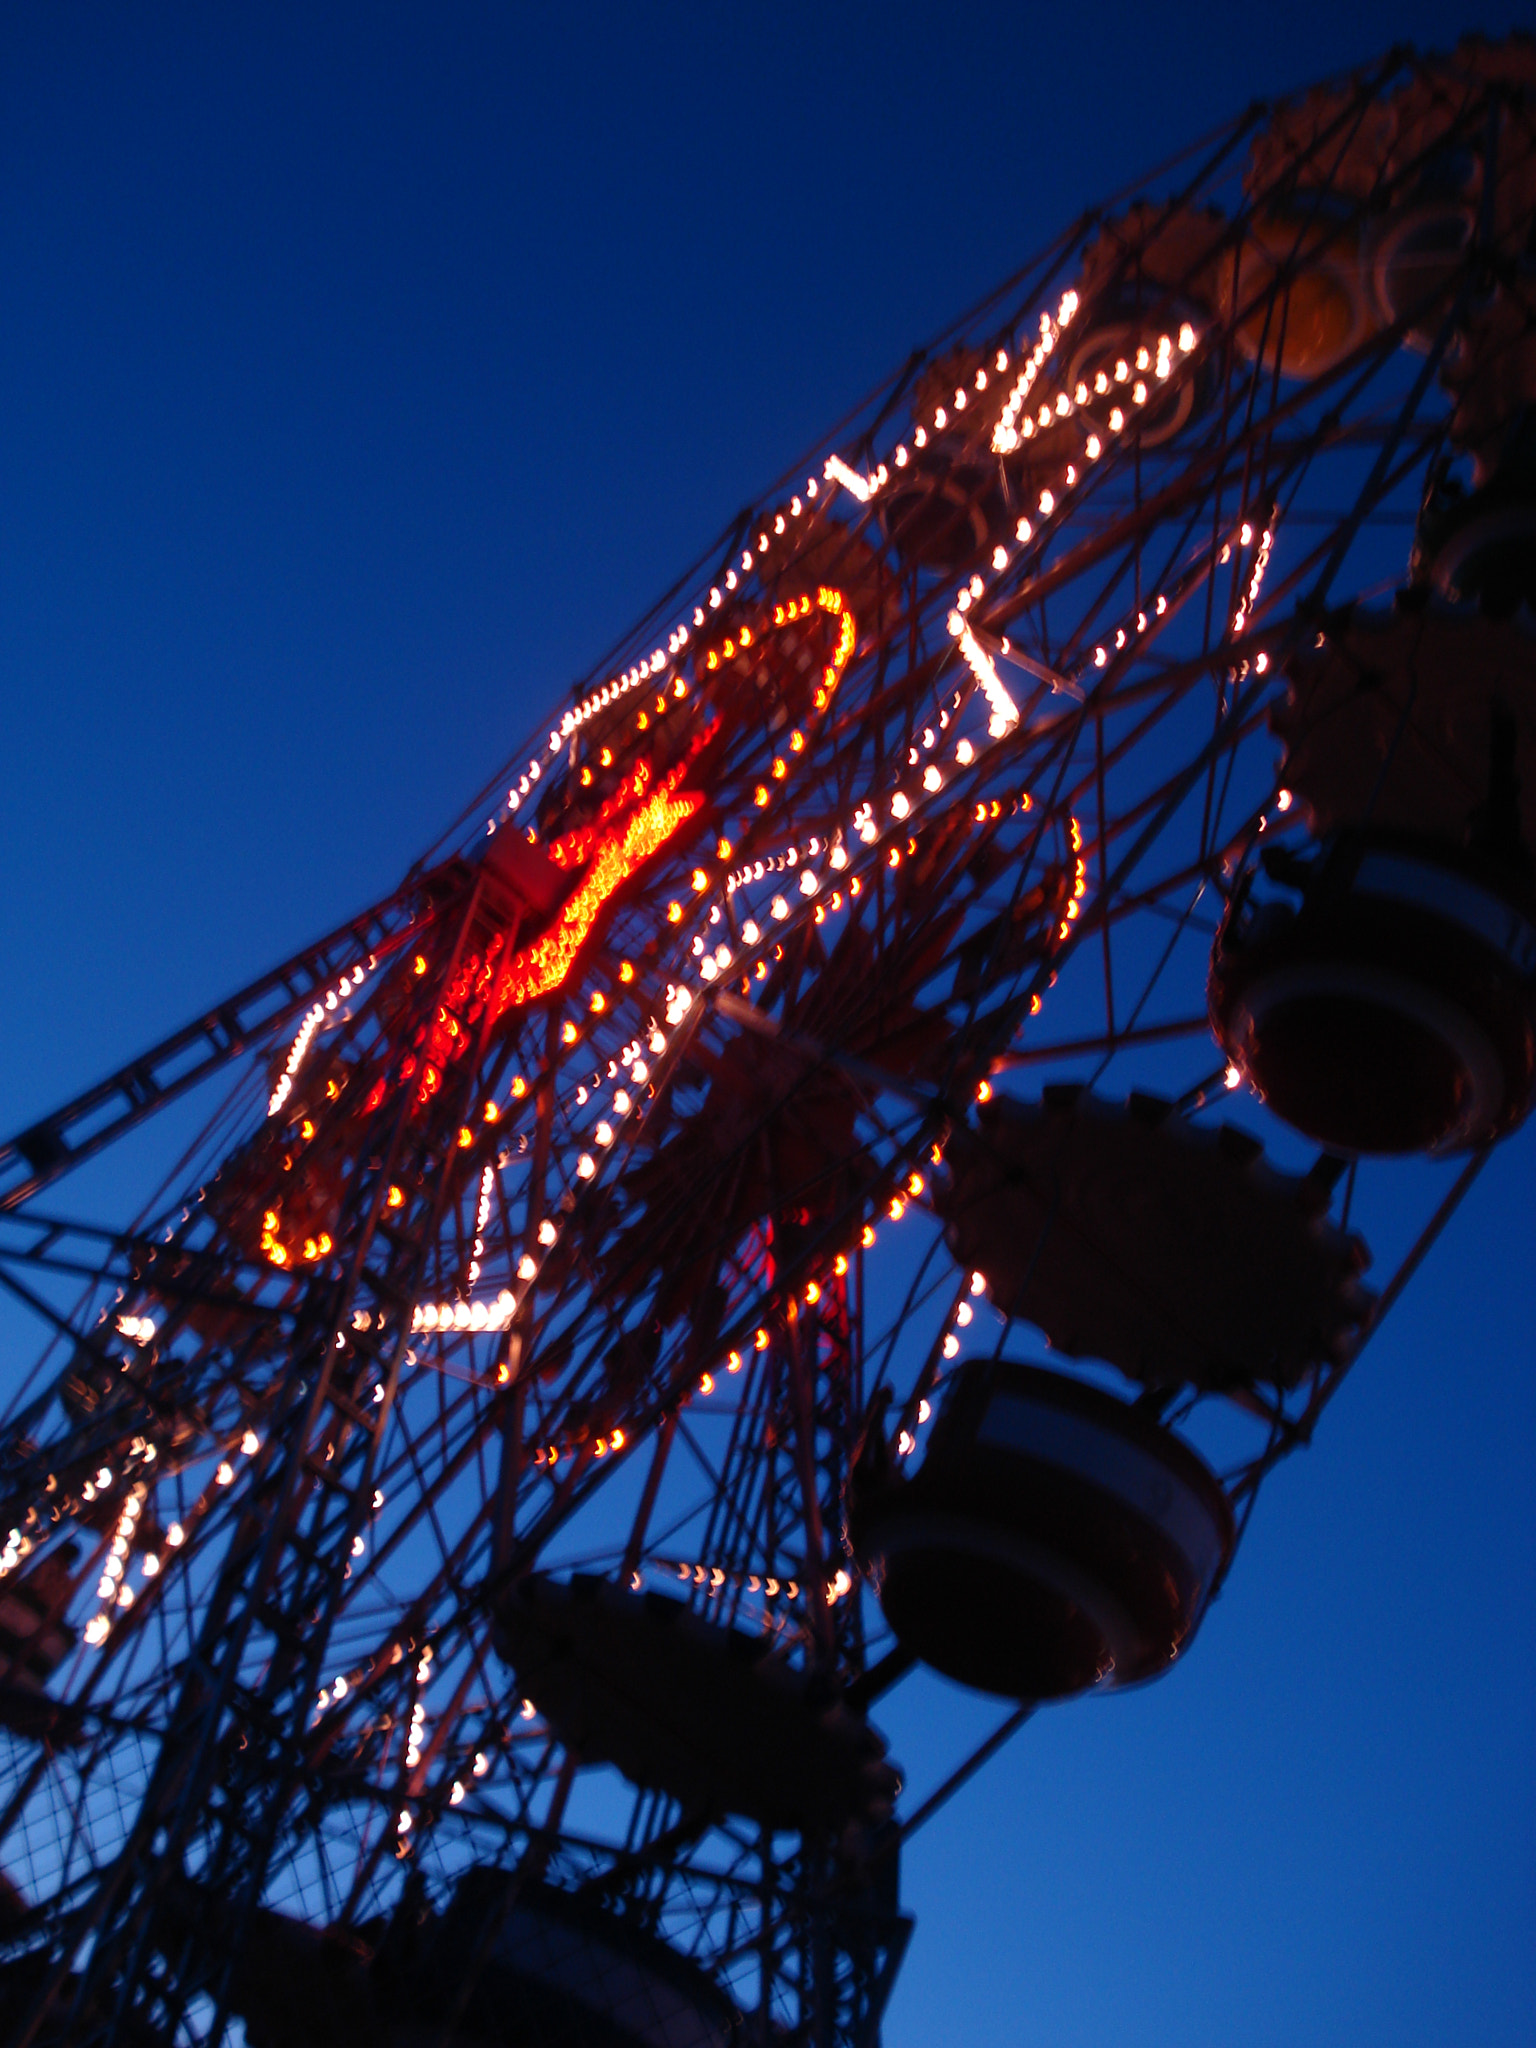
{"x":857,"y":1154}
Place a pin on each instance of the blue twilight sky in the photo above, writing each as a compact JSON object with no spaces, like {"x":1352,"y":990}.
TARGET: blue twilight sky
{"x":363,"y":373}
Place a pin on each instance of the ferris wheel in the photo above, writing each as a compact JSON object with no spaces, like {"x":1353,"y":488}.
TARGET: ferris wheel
{"x":856,"y":1156}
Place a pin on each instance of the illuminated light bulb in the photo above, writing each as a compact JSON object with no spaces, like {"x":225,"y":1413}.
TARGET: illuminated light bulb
{"x":964,"y":1314}
{"x":951,"y":1345}
{"x":760,"y":1340}
{"x":1245,"y":535}
{"x":402,"y":1822}
{"x":1116,"y":420}
{"x":906,"y":1444}
{"x":1047,"y":502}
{"x":225,"y":1475}
{"x":482,"y":1763}
{"x":923,"y":1411}
{"x":586,"y":1166}
{"x":983,"y":1091}
{"x":867,"y":1236}
{"x":900,"y":807}
{"x":175,"y":1535}
{"x":1262,"y":663}
{"x":808,"y":882}
{"x":779,"y":907}
{"x":897,"y":1209}
{"x":250,"y":1443}
{"x":150,"y":1566}
{"x":920,"y":437}
{"x":914,"y":1184}
{"x":733,"y":1362}
{"x":455,"y":1793}
{"x":1100,"y":656}
{"x":97,"y":1629}
{"x":707,"y":1383}
{"x":104,"y":1476}
{"x":1095,"y":448}
{"x":568,"y":1032}
{"x":932,"y":779}
{"x":940,"y":417}
{"x":902,"y":457}
{"x":708,"y":970}
{"x":621,"y":1103}
{"x":1024,"y":529}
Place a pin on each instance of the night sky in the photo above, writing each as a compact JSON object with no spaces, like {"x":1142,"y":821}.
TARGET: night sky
{"x":363,"y":374}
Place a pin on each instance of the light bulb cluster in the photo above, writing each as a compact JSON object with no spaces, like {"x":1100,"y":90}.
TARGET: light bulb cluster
{"x":314,"y":1017}
{"x":18,"y":1545}
{"x":1079,"y":881}
{"x":716,"y":1578}
{"x":961,"y":1316}
{"x":1244,"y":611}
{"x":1005,"y":435}
{"x":1005,"y":713}
{"x":496,"y":1314}
{"x":114,"y":1588}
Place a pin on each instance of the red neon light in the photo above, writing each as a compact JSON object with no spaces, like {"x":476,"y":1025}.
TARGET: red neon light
{"x":538,"y":969}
